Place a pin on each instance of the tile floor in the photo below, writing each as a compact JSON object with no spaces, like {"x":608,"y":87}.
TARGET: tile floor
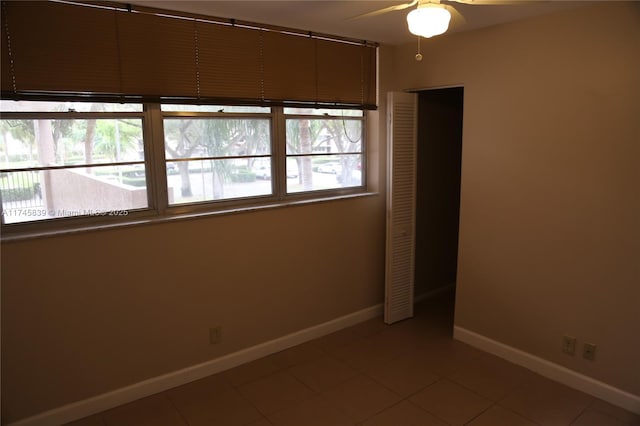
{"x":409,"y":374}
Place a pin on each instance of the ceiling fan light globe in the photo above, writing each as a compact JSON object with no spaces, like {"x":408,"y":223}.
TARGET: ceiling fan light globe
{"x":429,"y":20}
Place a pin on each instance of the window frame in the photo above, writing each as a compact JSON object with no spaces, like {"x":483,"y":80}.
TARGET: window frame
{"x":72,"y":222}
{"x":363,"y":151}
{"x":155,"y":162}
{"x":223,"y":204}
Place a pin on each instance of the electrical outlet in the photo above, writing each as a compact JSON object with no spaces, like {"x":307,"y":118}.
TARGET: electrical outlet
{"x":215,"y":335}
{"x":569,"y":345}
{"x":589,"y":351}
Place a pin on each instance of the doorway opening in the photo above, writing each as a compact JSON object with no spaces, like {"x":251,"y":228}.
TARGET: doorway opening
{"x":439,"y":165}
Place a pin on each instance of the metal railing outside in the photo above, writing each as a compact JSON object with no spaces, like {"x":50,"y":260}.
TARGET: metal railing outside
{"x":20,"y":190}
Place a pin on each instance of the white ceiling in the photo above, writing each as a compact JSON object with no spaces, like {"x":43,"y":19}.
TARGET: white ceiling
{"x":333,"y":16}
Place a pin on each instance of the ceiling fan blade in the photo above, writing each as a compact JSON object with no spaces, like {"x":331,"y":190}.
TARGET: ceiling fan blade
{"x":386,"y":10}
{"x":495,"y":2}
{"x":457,"y":20}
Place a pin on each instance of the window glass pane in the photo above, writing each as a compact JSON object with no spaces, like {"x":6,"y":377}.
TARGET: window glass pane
{"x":318,"y":111}
{"x":216,"y":137}
{"x":75,"y":191}
{"x":86,"y":191}
{"x":293,"y":168}
{"x":215,"y":108}
{"x":43,"y":106}
{"x":30,"y":143}
{"x":209,"y":180}
{"x":325,"y":172}
{"x":331,"y":136}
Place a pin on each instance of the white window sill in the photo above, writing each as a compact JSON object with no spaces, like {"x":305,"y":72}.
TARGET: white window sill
{"x":152,"y":220}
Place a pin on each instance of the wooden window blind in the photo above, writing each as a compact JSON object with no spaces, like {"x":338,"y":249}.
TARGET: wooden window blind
{"x":335,"y":85}
{"x":107,"y":51}
{"x":289,"y":67}
{"x":157,"y":56}
{"x":59,"y":48}
{"x":227,"y":63}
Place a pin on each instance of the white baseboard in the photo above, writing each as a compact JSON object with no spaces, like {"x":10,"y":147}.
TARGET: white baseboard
{"x":550,"y":370}
{"x":433,"y":293}
{"x":96,"y":404}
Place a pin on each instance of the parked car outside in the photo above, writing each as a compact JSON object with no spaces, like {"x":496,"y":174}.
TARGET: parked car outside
{"x":262,"y":172}
{"x":333,"y":168}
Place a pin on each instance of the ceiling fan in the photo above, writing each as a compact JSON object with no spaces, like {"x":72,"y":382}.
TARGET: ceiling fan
{"x":431,"y":17}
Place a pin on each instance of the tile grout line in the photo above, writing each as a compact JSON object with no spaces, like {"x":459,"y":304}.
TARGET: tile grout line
{"x":481,"y":413}
{"x":584,"y":410}
{"x":175,"y":407}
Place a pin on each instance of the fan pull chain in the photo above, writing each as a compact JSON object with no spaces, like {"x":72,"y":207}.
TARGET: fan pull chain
{"x":419,"y":55}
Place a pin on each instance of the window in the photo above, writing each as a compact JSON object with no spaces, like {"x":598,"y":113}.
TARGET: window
{"x":216,"y":155}
{"x":326,"y":145}
{"x":62,"y":159}
{"x":68,"y":163}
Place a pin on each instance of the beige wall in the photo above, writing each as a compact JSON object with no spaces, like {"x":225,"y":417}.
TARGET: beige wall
{"x":550,"y":211}
{"x":88,"y":313}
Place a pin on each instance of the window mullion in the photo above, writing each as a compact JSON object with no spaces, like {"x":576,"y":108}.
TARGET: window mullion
{"x":155,"y":159}
{"x":279,"y":148}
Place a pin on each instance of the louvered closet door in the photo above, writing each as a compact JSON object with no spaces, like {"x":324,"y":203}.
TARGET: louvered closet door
{"x":401,"y":206}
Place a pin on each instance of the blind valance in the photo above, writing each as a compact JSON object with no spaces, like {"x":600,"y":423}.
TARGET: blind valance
{"x":108,"y":51}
